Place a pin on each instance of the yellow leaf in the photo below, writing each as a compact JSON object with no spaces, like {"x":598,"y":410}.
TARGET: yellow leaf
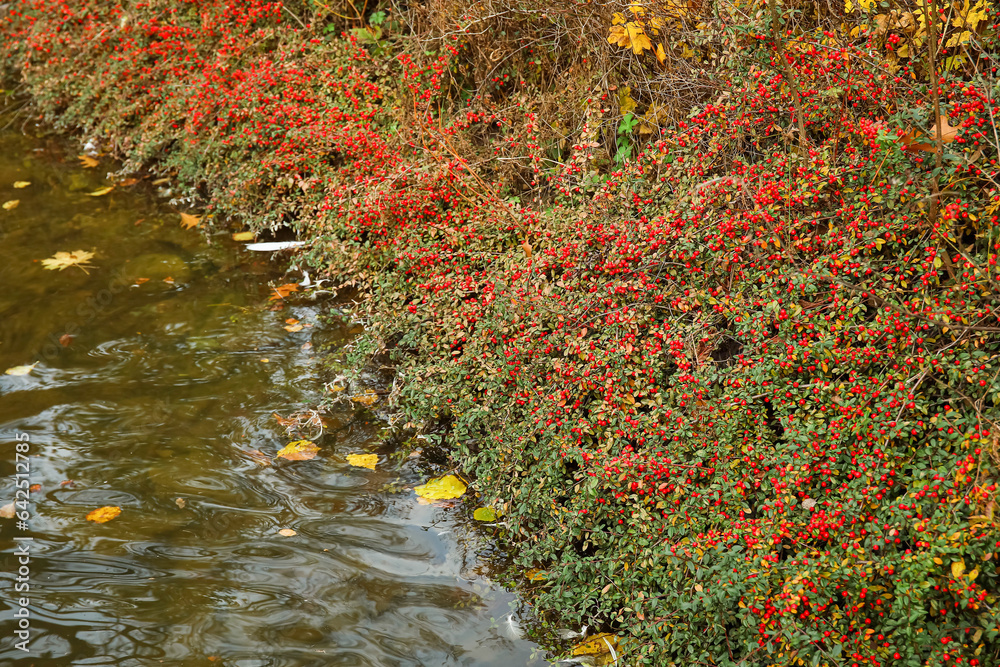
{"x":637,"y":9}
{"x":63,"y":260}
{"x":961,"y":38}
{"x":287,"y":532}
{"x":100,"y":192}
{"x":661,"y":55}
{"x":87,"y":162}
{"x":11,"y":205}
{"x":617,"y":36}
{"x":441,"y":488}
{"x":367,"y":399}
{"x":244,"y":236}
{"x":535,"y":574}
{"x":957,"y":568}
{"x":485,"y":514}
{"x":8,"y":511}
{"x":189,"y":221}
{"x":596,"y":645}
{"x":104,"y":514}
{"x":618,"y":18}
{"x":294,"y":328}
{"x":20,"y":370}
{"x":625,"y":101}
{"x":300,"y":450}
{"x":21,"y":184}
{"x":638,"y":38}
{"x":363,"y":460}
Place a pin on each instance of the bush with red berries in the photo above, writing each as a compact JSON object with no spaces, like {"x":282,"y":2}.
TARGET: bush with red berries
{"x":704,"y":295}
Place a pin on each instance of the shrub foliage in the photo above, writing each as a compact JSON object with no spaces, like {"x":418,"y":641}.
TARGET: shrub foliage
{"x":703,"y":292}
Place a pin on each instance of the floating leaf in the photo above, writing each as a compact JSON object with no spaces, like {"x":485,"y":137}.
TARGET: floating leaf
{"x":62,"y":260}
{"x":66,"y":339}
{"x":281,"y":291}
{"x":11,"y":205}
{"x":21,"y":184}
{"x":957,"y":568}
{"x":7,"y":511}
{"x":287,"y":532}
{"x":292,"y":325}
{"x":20,"y":370}
{"x":368,"y":398}
{"x":363,"y":460}
{"x":300,"y":450}
{"x":189,"y":221}
{"x":180,"y":503}
{"x":485,"y":514}
{"x":596,"y":645}
{"x":243,"y":236}
{"x":104,"y":514}
{"x":100,"y":192}
{"x":259,"y":457}
{"x":87,"y":162}
{"x":441,"y":488}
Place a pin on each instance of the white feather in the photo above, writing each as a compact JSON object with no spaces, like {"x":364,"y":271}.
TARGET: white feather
{"x":512,"y":628}
{"x":276,"y":245}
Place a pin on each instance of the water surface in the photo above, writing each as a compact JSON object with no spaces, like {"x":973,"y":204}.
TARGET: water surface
{"x":158,"y":374}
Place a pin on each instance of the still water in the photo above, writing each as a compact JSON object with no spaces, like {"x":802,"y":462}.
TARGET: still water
{"x":159,"y":370}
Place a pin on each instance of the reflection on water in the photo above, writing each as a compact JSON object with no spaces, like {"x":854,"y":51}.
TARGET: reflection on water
{"x":157,"y":376}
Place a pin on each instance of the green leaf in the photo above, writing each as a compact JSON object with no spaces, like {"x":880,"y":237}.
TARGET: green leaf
{"x":485,"y":514}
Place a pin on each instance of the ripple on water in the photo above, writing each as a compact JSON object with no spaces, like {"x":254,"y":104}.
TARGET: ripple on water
{"x":161,"y":396}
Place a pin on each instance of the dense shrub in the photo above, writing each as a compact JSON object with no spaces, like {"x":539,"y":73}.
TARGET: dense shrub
{"x":711,"y":318}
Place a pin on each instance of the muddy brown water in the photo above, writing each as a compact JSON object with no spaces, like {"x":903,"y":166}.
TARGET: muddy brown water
{"x":161,"y":401}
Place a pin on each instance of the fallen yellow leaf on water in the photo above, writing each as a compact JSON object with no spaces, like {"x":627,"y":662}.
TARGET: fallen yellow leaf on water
{"x":87,"y":162}
{"x":180,"y":503}
{"x":7,"y":511}
{"x":367,"y":399}
{"x":21,"y":184}
{"x":300,"y":450}
{"x":287,"y":532}
{"x":485,"y":514}
{"x":244,"y":236}
{"x":441,"y":488}
{"x":20,"y":370}
{"x":104,"y":514}
{"x":282,"y":291}
{"x":363,"y":460}
{"x":596,"y":645}
{"x":62,"y":260}
{"x":293,"y":325}
{"x":189,"y":221}
{"x":100,"y":192}
{"x":11,"y":205}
